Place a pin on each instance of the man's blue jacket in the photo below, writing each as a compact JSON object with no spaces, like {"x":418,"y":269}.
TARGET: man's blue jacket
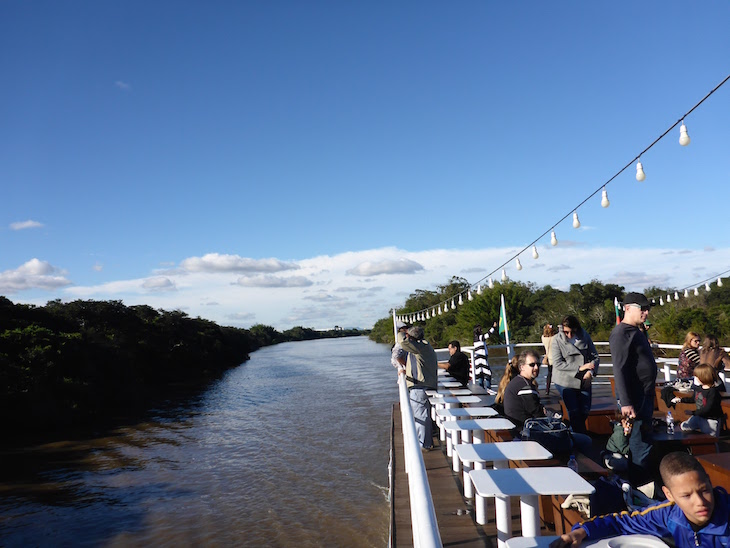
{"x":666,"y":520}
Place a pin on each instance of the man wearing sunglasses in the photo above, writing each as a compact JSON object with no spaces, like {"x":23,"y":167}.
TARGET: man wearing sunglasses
{"x":634,"y":372}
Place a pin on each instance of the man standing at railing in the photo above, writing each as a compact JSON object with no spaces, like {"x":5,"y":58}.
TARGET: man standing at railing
{"x":421,"y":374}
{"x":635,"y":371}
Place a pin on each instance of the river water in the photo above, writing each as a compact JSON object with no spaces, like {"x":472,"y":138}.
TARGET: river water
{"x":288,"y":449}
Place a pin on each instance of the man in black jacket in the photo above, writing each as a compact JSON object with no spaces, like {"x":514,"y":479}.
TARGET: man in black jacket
{"x":634,"y":372}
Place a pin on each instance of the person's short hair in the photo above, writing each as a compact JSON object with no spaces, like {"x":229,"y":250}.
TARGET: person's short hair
{"x":522,"y":358}
{"x":688,"y":339}
{"x":572,"y":322}
{"x":549,"y":330}
{"x":706,"y":374}
{"x":455,"y":344}
{"x":710,"y":341}
{"x":678,"y":463}
{"x":416,"y":331}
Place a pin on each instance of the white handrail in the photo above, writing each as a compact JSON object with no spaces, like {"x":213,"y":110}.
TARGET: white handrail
{"x":423,"y":515}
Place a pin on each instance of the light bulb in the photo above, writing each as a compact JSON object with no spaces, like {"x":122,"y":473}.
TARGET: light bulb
{"x":707,"y":286}
{"x":453,"y":305}
{"x":469,"y":296}
{"x":535,"y":254}
{"x":490,"y":283}
{"x":686,"y":293}
{"x":661,"y":301}
{"x":428,"y":316}
{"x":676,"y":296}
{"x":553,"y":239}
{"x":433,"y":313}
{"x":479,"y":289}
{"x":683,"y":135}
{"x":697,"y":291}
{"x":504,"y":275}
{"x":576,"y":222}
{"x":719,"y":282}
{"x":640,"y":175}
{"x":518,"y":265}
{"x":669,"y":298}
{"x":461,"y":301}
{"x":604,"y":199}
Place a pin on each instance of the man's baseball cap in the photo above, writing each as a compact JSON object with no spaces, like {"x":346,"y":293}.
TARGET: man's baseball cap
{"x":637,"y":298}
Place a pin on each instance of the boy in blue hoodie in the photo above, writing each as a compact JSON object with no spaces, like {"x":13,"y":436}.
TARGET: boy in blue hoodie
{"x":694,"y":515}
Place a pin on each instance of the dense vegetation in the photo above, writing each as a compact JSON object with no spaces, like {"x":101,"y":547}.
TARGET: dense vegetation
{"x":529,"y":308}
{"x":81,"y":362}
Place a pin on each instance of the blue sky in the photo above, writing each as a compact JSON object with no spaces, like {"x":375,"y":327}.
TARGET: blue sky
{"x":312,"y":163}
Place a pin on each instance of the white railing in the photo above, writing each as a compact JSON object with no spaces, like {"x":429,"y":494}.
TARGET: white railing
{"x":423,"y":516}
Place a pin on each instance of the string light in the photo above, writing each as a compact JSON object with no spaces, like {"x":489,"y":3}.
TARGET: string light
{"x":461,"y":301}
{"x":676,"y":296}
{"x":479,"y":289}
{"x":697,"y":292}
{"x":535,"y":254}
{"x":469,"y":295}
{"x":428,"y":316}
{"x":661,"y":301}
{"x":518,"y":265}
{"x":684,"y":140}
{"x":453,"y":305}
{"x":683,"y":135}
{"x":669,"y":298}
{"x":686,"y":293}
{"x":504,"y":275}
{"x":707,"y":287}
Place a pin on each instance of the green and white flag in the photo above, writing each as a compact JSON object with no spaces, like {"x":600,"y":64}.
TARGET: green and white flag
{"x":502,"y":317}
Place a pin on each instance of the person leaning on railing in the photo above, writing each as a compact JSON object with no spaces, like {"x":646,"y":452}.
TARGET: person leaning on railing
{"x":421,"y":374}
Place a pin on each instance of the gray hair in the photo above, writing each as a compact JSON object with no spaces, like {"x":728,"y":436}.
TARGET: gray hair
{"x":416,"y":332}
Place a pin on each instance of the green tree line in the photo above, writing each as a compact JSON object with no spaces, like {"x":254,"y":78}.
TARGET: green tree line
{"x":530,"y":307}
{"x":71,"y":364}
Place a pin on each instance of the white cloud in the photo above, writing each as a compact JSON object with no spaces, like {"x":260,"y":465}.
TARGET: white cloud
{"x":22,"y":225}
{"x":215,"y":262}
{"x":274,"y":281}
{"x":34,"y":274}
{"x":391,"y":266}
{"x":124,"y":86}
{"x":98,"y":267}
{"x":159,"y":283}
{"x":283,"y":302}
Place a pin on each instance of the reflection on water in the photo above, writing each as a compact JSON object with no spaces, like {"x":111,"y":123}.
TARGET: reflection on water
{"x":289,"y":449}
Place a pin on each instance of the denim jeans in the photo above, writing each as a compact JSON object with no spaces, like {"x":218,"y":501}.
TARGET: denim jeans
{"x":578,"y":404}
{"x":640,"y":443}
{"x":421,"y":408}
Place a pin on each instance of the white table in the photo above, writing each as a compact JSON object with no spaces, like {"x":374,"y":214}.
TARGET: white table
{"x":446,"y":402}
{"x":463,"y":429}
{"x":528,"y":484}
{"x":442,"y":392}
{"x":449,"y":383}
{"x":461,"y":413}
{"x":500,"y":453}
{"x":624,"y":541}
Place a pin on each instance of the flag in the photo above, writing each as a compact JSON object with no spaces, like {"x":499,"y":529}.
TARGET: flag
{"x":618,"y":310}
{"x":503,"y":328}
{"x":502,"y":317}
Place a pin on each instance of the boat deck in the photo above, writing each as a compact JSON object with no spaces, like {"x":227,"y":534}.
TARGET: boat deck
{"x":454,"y":514}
